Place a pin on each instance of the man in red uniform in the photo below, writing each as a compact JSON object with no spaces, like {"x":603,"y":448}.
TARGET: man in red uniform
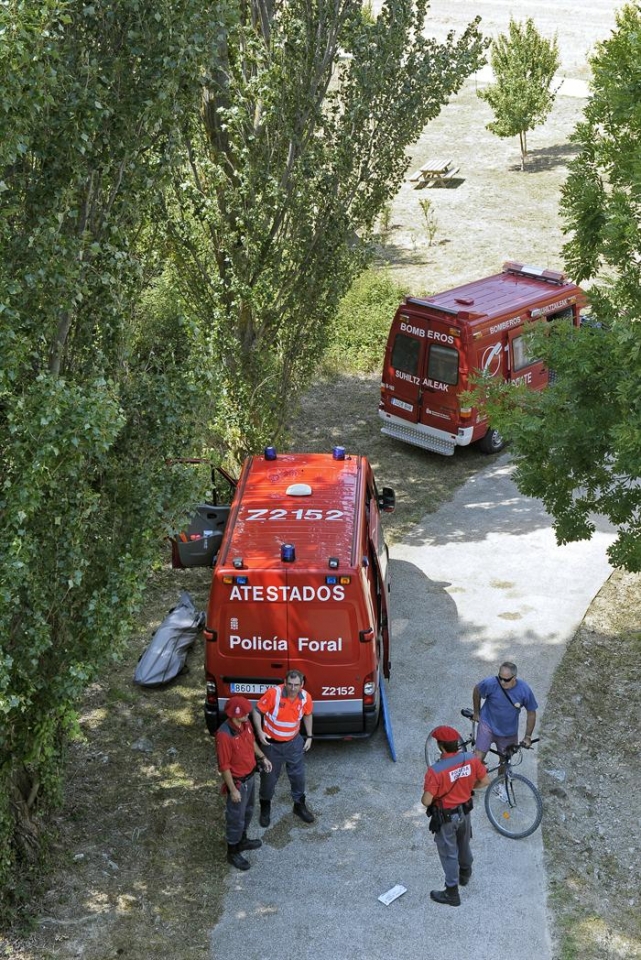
{"x":237,"y":753}
{"x":277,"y":718}
{"x":448,"y":795}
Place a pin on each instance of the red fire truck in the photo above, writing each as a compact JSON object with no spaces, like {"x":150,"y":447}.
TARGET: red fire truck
{"x":301,"y":580}
{"x":436,"y":344}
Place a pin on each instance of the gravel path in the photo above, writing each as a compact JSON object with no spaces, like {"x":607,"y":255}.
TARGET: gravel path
{"x":478,"y":581}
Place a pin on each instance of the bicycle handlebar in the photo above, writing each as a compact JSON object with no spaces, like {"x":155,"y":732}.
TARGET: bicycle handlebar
{"x":468,"y":713}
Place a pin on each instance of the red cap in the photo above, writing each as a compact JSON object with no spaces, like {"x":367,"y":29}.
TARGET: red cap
{"x":238,"y":707}
{"x":445,"y":734}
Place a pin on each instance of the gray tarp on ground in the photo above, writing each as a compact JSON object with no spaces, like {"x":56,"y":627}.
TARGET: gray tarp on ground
{"x":165,"y":656}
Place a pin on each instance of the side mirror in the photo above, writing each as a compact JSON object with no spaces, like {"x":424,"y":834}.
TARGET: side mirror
{"x":387,"y":500}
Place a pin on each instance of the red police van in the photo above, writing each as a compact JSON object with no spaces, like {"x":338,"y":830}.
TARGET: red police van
{"x":301,"y":580}
{"x":437,"y":343}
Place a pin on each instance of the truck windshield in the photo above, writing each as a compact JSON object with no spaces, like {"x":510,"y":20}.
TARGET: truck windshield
{"x":443,"y":364}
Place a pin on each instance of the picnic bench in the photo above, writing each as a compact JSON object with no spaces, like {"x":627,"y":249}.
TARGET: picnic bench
{"x":434,"y":173}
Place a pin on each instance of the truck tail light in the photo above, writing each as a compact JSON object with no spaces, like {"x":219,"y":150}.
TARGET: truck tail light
{"x":369,"y":690}
{"x":366,"y":636}
{"x":211,"y":693}
{"x":466,"y":412}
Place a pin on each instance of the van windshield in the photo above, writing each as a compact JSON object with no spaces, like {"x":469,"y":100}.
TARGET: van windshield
{"x":443,"y":364}
{"x":405,"y":353}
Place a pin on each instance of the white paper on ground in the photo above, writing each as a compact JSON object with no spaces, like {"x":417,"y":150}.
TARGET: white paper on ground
{"x":392,"y":894}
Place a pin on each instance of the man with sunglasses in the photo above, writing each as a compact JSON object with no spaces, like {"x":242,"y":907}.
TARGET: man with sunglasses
{"x":503,"y":696}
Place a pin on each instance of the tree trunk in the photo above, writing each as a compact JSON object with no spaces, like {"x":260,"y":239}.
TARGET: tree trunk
{"x":26,"y":833}
{"x":523,"y":141}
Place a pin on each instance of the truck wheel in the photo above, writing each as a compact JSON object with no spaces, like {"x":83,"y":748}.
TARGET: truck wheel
{"x":492,"y":442}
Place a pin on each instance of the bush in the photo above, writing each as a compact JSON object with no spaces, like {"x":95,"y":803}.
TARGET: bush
{"x":362,"y":323}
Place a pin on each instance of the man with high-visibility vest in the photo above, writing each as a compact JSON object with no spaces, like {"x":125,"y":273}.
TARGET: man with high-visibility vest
{"x":277,"y":718}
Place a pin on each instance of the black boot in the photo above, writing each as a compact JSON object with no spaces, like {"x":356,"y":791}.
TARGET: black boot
{"x":235,"y":857}
{"x":246,"y":844}
{"x":464,"y":875}
{"x":449,"y":896}
{"x":302,"y":810}
{"x":265,"y":813}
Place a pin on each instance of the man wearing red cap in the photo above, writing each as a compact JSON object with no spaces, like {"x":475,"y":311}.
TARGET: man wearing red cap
{"x":237,"y":753}
{"x":447,"y":794}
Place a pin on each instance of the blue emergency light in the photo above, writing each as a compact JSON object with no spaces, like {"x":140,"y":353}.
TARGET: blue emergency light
{"x":338,"y":453}
{"x":270,"y":453}
{"x":287,"y":552}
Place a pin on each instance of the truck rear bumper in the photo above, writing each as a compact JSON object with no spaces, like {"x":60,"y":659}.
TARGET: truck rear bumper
{"x":336,"y":720}
{"x":420,"y":435}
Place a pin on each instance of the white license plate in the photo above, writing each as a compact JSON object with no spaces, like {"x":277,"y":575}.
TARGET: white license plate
{"x":250,"y":687}
{"x":401,"y":403}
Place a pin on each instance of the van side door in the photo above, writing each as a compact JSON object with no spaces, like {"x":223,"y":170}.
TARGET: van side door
{"x":198,"y":544}
{"x":380,"y":573}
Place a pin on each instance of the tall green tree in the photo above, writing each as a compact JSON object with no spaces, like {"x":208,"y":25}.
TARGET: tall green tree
{"x":578,"y":445}
{"x":308,"y":109}
{"x":111,"y":363}
{"x":524,"y":64}
{"x":93,"y":98}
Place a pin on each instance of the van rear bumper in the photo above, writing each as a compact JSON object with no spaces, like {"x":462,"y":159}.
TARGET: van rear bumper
{"x":335,"y":720}
{"x":420,"y":435}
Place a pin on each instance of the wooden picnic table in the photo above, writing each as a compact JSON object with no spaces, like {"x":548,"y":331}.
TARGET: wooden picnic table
{"x":434,"y":173}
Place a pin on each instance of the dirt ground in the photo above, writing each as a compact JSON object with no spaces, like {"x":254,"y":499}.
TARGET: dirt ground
{"x":492,"y":211}
{"x":137,"y":862}
{"x":590,"y":781}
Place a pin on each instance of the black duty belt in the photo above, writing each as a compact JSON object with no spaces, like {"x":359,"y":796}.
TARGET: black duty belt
{"x":461,"y":809}
{"x":247,"y":777}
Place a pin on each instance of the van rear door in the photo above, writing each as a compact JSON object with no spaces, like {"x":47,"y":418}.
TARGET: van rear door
{"x":405,"y":363}
{"x":326,"y":646}
{"x":443,"y":374}
{"x":251,"y":650}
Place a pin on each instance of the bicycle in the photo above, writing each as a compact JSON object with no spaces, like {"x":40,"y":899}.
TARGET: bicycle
{"x":512,"y":803}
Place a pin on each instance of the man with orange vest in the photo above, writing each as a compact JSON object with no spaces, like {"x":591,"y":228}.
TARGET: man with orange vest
{"x":277,"y":719}
{"x":238,"y":754}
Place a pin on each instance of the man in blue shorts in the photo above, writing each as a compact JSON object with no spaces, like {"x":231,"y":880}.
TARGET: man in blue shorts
{"x":503,"y":696}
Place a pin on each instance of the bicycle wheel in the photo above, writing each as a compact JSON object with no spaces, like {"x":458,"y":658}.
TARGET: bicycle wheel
{"x":513,"y":806}
{"x":432,"y":752}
